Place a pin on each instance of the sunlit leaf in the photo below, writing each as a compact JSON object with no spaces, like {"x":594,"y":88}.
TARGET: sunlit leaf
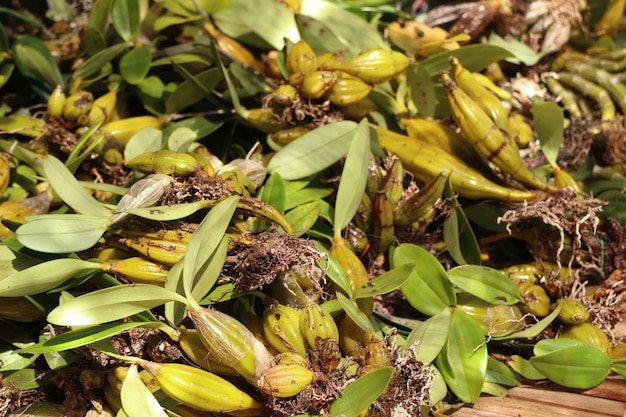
{"x":268,"y":19}
{"x":303,"y":217}
{"x":579,"y":366}
{"x":474,"y":57}
{"x":494,"y":389}
{"x":314,"y":151}
{"x":69,"y":190}
{"x":135,"y":64}
{"x":110,"y":304}
{"x":136,"y":398}
{"x":12,"y":360}
{"x":83,"y":336}
{"x":165,"y":213}
{"x":33,"y":58}
{"x":204,"y":241}
{"x":99,"y":15}
{"x":463,"y":359}
{"x":147,"y":139}
{"x":421,"y":90}
{"x":180,"y":139}
{"x":62,"y":233}
{"x":359,"y":395}
{"x":385,"y":282}
{"x":522,"y":52}
{"x":427,"y":338}
{"x":126,"y":18}
{"x":499,"y":373}
{"x":486,"y":283}
{"x":548,"y":118}
{"x":353,"y":178}
{"x":98,"y":61}
{"x":43,"y":276}
{"x":318,"y":35}
{"x":534,"y":330}
{"x":458,"y":233}
{"x":523,"y":367}
{"x":333,"y":269}
{"x":352,"y":310}
{"x":273,"y":192}
{"x":428,"y":289}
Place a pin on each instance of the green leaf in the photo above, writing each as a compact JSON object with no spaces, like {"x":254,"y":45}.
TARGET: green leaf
{"x":6,"y":70}
{"x":318,"y":35}
{"x":33,"y":58}
{"x":458,"y":233}
{"x":523,"y":367}
{"x":43,"y":277}
{"x":175,"y":313}
{"x":110,"y":304}
{"x":187,"y":94}
{"x":333,"y":269}
{"x":166,"y":213}
{"x":486,"y":283}
{"x":303,"y":217}
{"x":463,"y":359}
{"x":357,"y":34}
{"x":268,"y":19}
{"x":428,"y":289}
{"x":536,"y":329}
{"x":474,"y":57}
{"x":548,"y":118}
{"x":11,"y":360}
{"x":181,"y":139}
{"x":522,"y":52}
{"x":360,"y":394}
{"x":135,"y":64}
{"x":273,"y":192}
{"x":69,"y":190}
{"x":494,"y":389}
{"x":314,"y":151}
{"x":353,"y":178}
{"x":499,"y":373}
{"x":352,"y":310}
{"x":98,"y":61}
{"x":126,"y":18}
{"x":428,"y":338}
{"x":62,"y":233}
{"x":619,"y":367}
{"x":136,"y":398}
{"x":580,"y":366}
{"x":421,"y":90}
{"x":99,"y":15}
{"x":385,"y":282}
{"x":147,"y":139}
{"x":84,"y":336}
{"x":204,"y":241}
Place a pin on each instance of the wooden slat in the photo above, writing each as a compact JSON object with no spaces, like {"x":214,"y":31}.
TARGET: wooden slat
{"x":512,"y":406}
{"x":573,"y":401}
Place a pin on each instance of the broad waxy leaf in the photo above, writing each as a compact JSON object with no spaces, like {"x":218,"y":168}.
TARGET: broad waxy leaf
{"x":135,"y":64}
{"x":69,"y":190}
{"x":61,"y":233}
{"x":352,"y":310}
{"x":463,"y":359}
{"x":268,"y":19}
{"x":137,"y":400}
{"x":99,"y":16}
{"x":126,"y":18}
{"x":181,"y":139}
{"x":44,"y":276}
{"x":147,"y":139}
{"x":353,"y":178}
{"x":523,"y":367}
{"x":474,"y":57}
{"x":499,"y":373}
{"x":317,"y":34}
{"x":385,"y":282}
{"x":273,"y":192}
{"x":360,"y":394}
{"x":314,"y":151}
{"x":99,"y":60}
{"x":33,"y":58}
{"x":428,"y":289}
{"x":204,"y":241}
{"x":421,"y":90}
{"x":110,"y":304}
{"x":458,"y":233}
{"x":84,"y":336}
{"x":536,"y":329}
{"x":522,"y":52}
{"x":428,"y":337}
{"x":333,"y":269}
{"x":548,"y":118}
{"x":303,"y":217}
{"x":579,"y":366}
{"x":187,"y":94}
{"x":486,"y":283}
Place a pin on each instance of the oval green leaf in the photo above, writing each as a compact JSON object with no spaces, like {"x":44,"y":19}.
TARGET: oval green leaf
{"x":69,"y":190}
{"x":428,"y":288}
{"x":43,"y":277}
{"x":135,"y":64}
{"x":352,"y":310}
{"x":110,"y":304}
{"x":33,"y":58}
{"x":427,"y":338}
{"x":548,"y":118}
{"x":486,"y":283}
{"x":268,"y":19}
{"x":314,"y":151}
{"x":99,"y":60}
{"x":303,"y":217}
{"x":273,"y":192}
{"x":61,"y":233}
{"x":385,"y":282}
{"x":136,"y":398}
{"x":421,"y":90}
{"x":580,"y":366}
{"x":463,"y":359}
{"x":360,"y":394}
{"x":147,"y":139}
{"x":126,"y":18}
